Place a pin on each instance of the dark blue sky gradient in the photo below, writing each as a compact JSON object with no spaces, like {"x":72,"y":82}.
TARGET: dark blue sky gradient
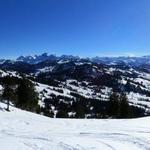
{"x":78,"y":27}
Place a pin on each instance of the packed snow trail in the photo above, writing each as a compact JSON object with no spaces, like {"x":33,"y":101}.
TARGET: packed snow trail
{"x":21,"y":130}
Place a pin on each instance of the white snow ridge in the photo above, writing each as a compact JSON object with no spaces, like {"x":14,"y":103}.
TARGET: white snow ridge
{"x":21,"y":130}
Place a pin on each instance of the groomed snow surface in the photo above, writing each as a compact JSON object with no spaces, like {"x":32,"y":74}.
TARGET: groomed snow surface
{"x":21,"y":130}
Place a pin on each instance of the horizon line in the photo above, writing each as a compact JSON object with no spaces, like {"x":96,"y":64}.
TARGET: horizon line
{"x":82,"y":57}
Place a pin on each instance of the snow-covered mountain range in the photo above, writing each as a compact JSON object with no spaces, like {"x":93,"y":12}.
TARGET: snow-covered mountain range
{"x":62,"y":81}
{"x":106,"y":60}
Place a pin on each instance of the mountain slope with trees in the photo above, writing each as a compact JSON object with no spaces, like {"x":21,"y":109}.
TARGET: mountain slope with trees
{"x":69,"y":86}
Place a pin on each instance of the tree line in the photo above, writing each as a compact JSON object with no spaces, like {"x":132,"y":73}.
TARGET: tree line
{"x":117,"y":106}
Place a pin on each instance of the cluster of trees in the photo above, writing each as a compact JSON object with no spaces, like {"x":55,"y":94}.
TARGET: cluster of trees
{"x":136,"y":88}
{"x":19,"y":92}
{"x":82,"y":107}
{"x":119,"y":106}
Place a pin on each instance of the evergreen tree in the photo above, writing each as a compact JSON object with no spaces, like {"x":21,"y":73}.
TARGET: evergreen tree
{"x":27,"y":97}
{"x":128,"y":86}
{"x":113,"y":108}
{"x":124,"y":107}
{"x":7,"y":95}
{"x":62,"y":114}
{"x":8,"y":92}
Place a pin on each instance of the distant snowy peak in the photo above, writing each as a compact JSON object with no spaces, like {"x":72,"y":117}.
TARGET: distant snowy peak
{"x":2,"y":61}
{"x":36,"y":58}
{"x":44,"y":57}
{"x":132,"y":61}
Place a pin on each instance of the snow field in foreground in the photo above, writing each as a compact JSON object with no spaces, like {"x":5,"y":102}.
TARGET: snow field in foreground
{"x":21,"y":130}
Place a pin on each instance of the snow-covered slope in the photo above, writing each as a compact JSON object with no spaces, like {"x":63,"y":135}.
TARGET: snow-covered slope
{"x":21,"y":130}
{"x":66,"y":79}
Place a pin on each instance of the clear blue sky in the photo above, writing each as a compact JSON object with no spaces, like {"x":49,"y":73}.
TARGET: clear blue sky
{"x":78,"y":27}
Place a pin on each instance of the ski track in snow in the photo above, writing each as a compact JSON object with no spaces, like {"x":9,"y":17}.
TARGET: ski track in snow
{"x":21,"y":130}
